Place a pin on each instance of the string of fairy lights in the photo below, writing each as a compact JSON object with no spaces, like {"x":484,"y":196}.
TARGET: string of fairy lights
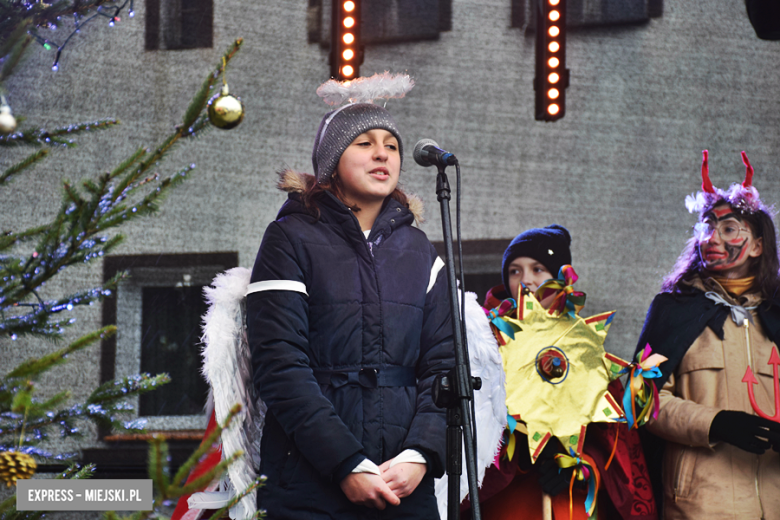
{"x":8,"y":122}
{"x":110,"y":12}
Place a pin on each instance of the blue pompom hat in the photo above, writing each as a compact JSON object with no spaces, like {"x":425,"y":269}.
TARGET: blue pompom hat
{"x":548,"y":245}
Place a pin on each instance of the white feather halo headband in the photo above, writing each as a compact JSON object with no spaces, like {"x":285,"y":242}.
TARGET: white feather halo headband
{"x":365,"y":90}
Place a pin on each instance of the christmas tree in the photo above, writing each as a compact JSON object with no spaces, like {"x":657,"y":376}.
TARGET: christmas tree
{"x":83,"y":230}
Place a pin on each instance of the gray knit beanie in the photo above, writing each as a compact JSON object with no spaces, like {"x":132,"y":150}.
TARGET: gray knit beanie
{"x":339,"y":128}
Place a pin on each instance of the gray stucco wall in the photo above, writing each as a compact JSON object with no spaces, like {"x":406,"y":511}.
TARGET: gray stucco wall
{"x":643,"y":102}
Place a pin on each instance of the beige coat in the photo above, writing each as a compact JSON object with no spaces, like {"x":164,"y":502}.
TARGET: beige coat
{"x":717,"y":481}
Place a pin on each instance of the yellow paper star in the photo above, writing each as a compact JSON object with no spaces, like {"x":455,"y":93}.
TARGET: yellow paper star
{"x":557,"y":374}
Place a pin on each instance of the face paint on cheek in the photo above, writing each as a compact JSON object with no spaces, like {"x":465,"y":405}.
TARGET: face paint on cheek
{"x":736,"y":250}
{"x":735,"y":255}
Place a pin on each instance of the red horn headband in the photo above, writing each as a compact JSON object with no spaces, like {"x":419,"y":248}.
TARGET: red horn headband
{"x":743,"y":196}
{"x":748,"y":172}
{"x":706,"y":184}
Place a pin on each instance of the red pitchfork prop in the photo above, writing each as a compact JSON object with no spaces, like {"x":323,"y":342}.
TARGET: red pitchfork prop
{"x":750,"y":379}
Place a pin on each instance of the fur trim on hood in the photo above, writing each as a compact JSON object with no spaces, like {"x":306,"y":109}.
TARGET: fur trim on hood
{"x":291,"y":181}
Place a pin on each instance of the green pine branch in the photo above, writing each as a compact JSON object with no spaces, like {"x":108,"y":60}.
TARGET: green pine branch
{"x":166,"y":489}
{"x":259,"y":481}
{"x":15,"y":29}
{"x":15,"y":55}
{"x":204,"y":447}
{"x":34,"y":417}
{"x":34,"y":367}
{"x":59,"y":136}
{"x":119,"y":388}
{"x":169,"y":489}
{"x":24,"y":164}
{"x":75,"y":471}
{"x":9,"y":239}
{"x":18,"y":22}
{"x":76,"y":235}
{"x":157,"y":464}
{"x":35,"y":422}
{"x":37,"y":319}
{"x":83,"y":230}
{"x":8,"y":506}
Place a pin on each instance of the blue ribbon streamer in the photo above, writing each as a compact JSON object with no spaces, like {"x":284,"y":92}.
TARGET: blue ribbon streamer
{"x":591,"y":491}
{"x":640,"y":372}
{"x":627,"y":407}
{"x":501,"y":325}
{"x":591,"y":480}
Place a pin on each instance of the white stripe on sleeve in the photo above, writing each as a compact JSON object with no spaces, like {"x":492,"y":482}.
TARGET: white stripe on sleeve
{"x":437,"y":265}
{"x":276,"y":285}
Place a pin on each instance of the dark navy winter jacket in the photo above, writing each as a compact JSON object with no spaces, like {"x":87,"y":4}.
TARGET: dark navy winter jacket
{"x":347,"y":336}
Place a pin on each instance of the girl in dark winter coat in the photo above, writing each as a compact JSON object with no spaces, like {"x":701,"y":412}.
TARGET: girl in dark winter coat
{"x":348,"y":323}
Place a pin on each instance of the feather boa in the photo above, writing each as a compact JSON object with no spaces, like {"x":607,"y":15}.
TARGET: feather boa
{"x":744,"y":198}
{"x":365,"y":90}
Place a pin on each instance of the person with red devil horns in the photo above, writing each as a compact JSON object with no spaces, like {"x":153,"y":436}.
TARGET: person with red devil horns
{"x":717,"y":319}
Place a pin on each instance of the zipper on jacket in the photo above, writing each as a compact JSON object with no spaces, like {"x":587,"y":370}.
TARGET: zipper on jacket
{"x":370,"y":249}
{"x":758,"y":493}
{"x":746,"y":323}
{"x":678,"y":474}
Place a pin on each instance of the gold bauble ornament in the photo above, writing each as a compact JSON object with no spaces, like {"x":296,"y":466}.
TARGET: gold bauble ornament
{"x":15,"y":465}
{"x":225,"y":111}
{"x":7,"y":119}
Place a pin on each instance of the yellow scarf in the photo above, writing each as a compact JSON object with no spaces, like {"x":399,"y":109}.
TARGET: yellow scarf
{"x":736,"y":286}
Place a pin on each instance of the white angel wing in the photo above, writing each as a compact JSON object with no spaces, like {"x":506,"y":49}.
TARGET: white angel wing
{"x":227,"y":368}
{"x":489,"y":402}
{"x":210,"y":499}
{"x":226,"y":354}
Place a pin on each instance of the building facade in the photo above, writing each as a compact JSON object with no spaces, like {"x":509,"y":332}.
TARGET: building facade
{"x":652,"y":83}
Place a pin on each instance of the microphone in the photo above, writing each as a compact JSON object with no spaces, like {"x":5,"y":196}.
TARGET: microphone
{"x":427,"y":153}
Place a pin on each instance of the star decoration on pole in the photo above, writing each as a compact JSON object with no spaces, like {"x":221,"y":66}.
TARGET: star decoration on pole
{"x":557,"y":373}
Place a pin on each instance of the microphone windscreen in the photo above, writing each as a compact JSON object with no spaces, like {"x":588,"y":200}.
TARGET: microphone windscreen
{"x":422,"y":143}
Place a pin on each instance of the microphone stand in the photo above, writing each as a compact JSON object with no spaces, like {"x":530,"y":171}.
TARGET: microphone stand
{"x":455,"y":390}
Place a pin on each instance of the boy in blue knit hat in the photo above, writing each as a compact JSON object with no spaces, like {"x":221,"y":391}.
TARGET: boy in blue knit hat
{"x":532,"y":258}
